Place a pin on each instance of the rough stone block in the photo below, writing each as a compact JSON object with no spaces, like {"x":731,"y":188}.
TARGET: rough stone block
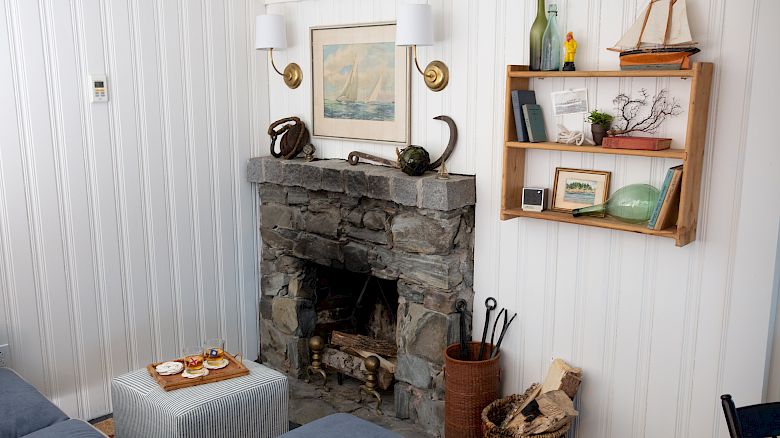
{"x":291,"y":173}
{"x":416,"y":233}
{"x":278,"y":216}
{"x":320,"y":201}
{"x":375,"y":220}
{"x":266,"y":308}
{"x":356,"y":257}
{"x":299,"y":287}
{"x":324,"y":222}
{"x":430,"y":415}
{"x":293,"y":316}
{"x":440,"y":300}
{"x":313,"y":247}
{"x":273,"y":193}
{"x":288,"y":264}
{"x":274,"y":283}
{"x":311,"y":176}
{"x":355,"y":182}
{"x":402,"y":396}
{"x":410,"y":291}
{"x":379,"y":237}
{"x":279,"y":239}
{"x":378,"y":180}
{"x":355,"y":217}
{"x":431,"y":270}
{"x":456,"y":192}
{"x":254,"y":170}
{"x":414,"y":370}
{"x":403,"y":190}
{"x":297,"y":196}
{"x":272,"y":170}
{"x":331,"y":178}
{"x":423,"y":333}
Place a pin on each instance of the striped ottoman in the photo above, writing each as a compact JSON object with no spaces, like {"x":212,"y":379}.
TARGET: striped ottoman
{"x":254,"y":405}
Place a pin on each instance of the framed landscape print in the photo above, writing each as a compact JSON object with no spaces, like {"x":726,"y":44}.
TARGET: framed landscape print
{"x":360,"y":84}
{"x":576,"y":188}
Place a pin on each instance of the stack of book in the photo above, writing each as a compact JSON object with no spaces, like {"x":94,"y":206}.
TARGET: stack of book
{"x":529,"y":121}
{"x":665,"y":212}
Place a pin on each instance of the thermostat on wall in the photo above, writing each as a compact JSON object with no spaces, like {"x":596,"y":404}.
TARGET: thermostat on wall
{"x":99,"y":92}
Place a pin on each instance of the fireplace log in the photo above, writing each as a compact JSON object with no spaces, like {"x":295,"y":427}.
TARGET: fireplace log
{"x":386,"y":364}
{"x":365,"y":343}
{"x":353,"y":366}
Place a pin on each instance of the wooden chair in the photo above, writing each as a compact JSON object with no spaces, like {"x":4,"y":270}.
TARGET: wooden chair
{"x":762,"y":420}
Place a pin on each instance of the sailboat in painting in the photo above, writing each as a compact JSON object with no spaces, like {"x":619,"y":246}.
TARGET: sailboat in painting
{"x":349,"y":92}
{"x":660,"y":39}
{"x":374,"y":96}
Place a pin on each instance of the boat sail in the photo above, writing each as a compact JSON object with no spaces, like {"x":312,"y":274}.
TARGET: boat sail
{"x":349,"y":92}
{"x":374,"y":96}
{"x":660,"y":38}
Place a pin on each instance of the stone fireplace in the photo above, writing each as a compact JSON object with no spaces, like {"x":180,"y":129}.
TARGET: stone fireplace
{"x":413,"y":234}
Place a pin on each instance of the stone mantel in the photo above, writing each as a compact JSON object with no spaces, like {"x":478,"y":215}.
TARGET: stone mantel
{"x":376,"y":182}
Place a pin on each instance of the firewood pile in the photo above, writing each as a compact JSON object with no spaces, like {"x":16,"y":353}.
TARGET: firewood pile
{"x":544,"y":410}
{"x":347,"y":352}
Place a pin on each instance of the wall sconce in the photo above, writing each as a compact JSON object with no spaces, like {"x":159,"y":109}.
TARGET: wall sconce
{"x":414,"y":28}
{"x":269,"y":35}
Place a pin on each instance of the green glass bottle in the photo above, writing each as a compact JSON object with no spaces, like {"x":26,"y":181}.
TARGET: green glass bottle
{"x":535,"y":39}
{"x":551,"y":42}
{"x":633,"y":203}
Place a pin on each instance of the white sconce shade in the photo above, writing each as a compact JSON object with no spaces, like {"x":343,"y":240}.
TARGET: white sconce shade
{"x":414,"y":25}
{"x":270,"y":32}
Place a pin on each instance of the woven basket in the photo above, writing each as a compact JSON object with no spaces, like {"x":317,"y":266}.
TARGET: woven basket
{"x":469,"y":387}
{"x":495,"y":413}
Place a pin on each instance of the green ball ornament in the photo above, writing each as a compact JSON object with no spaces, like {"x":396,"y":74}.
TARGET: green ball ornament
{"x":414,"y":160}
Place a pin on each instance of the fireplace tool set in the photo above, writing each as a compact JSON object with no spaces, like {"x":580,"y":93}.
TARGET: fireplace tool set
{"x":495,"y":344}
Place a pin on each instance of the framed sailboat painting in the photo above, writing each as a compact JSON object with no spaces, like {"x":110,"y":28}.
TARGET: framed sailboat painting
{"x":360,"y":84}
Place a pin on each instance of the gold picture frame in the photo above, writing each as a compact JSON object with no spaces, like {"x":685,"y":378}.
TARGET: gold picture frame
{"x":361,"y":84}
{"x":577,"y":188}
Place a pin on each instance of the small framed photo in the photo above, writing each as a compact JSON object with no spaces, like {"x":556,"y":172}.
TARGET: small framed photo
{"x":570,"y":102}
{"x":577,"y":188}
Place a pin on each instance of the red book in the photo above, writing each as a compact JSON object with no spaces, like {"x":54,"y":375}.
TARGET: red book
{"x":641,"y":143}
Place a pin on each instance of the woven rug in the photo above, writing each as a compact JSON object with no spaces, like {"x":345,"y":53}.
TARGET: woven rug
{"x":106,"y":426}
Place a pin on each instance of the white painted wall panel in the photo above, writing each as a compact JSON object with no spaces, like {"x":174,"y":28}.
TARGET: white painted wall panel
{"x":659,"y":330}
{"x":127,"y":229}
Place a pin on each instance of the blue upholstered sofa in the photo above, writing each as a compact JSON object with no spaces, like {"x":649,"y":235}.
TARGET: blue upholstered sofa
{"x":25,"y":412}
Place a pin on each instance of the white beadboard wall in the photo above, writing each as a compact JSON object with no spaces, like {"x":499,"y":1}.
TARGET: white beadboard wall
{"x":660,"y":331}
{"x":127,"y":228}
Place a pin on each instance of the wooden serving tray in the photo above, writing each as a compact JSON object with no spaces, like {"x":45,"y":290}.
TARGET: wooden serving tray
{"x":234,"y":369}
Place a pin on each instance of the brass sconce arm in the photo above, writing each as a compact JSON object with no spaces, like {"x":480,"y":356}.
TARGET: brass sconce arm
{"x":293,"y":75}
{"x":436,"y":73}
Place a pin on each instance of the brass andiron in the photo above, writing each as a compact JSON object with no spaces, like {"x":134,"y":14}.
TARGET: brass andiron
{"x":372,"y":366}
{"x":317,"y":345}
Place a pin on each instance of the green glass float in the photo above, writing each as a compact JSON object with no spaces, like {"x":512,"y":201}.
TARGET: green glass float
{"x":633,"y":204}
{"x":413,"y":160}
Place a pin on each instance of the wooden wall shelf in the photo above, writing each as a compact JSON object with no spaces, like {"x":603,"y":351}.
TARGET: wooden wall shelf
{"x":692,"y":157}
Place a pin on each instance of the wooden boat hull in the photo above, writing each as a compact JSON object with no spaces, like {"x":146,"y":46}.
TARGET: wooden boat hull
{"x":657,"y":60}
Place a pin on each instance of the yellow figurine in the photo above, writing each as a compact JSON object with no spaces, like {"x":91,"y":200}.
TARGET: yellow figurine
{"x":571,"y":48}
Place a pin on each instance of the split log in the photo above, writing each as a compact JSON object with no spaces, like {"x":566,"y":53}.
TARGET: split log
{"x":564,"y":377}
{"x":353,"y":366}
{"x":387,"y":364}
{"x":365,"y":343}
{"x":557,"y":410}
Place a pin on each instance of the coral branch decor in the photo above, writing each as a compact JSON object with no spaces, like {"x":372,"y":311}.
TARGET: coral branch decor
{"x":628,"y":112}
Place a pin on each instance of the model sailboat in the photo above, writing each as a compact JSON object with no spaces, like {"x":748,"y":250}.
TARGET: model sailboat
{"x":660,"y":39}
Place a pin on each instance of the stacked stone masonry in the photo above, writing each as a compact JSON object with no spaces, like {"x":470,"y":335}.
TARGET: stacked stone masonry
{"x":374,"y":220}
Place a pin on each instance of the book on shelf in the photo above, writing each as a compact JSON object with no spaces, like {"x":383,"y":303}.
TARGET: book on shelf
{"x":520,"y":98}
{"x":534,"y":123}
{"x":665,"y":212}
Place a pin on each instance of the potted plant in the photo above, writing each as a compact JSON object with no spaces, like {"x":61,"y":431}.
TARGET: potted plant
{"x":599,"y":125}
